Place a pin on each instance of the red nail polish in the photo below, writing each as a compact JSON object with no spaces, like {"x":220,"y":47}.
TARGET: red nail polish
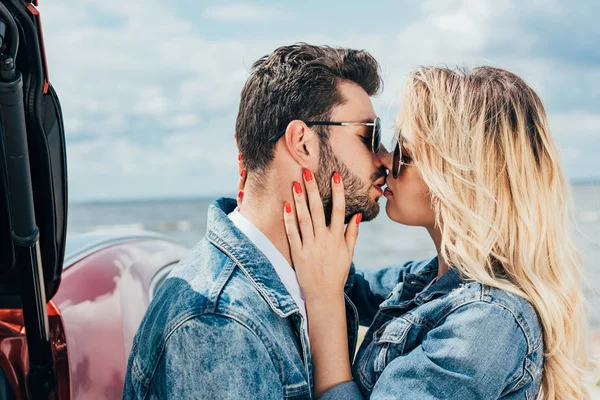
{"x":308,"y":176}
{"x":288,"y":208}
{"x":358,"y":218}
{"x":243,"y":173}
{"x":336,"y":178}
{"x":240,"y":157}
{"x":297,"y":188}
{"x":241,"y":194}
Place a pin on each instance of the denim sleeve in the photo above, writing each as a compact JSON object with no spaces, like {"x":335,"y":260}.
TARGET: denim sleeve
{"x":369,"y":288}
{"x":216,"y":357}
{"x":343,"y":391}
{"x":478,"y":352}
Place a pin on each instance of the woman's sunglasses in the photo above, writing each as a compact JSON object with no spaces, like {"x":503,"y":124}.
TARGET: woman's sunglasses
{"x":375,"y":139}
{"x":397,"y":161}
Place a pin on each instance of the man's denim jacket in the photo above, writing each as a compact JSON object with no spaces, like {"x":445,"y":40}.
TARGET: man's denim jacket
{"x":451,"y":340}
{"x":223,"y":326}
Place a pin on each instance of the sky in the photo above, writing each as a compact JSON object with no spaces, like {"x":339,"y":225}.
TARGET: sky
{"x":150,"y":90}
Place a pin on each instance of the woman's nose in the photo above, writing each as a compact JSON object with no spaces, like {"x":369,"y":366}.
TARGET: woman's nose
{"x":385,"y":157}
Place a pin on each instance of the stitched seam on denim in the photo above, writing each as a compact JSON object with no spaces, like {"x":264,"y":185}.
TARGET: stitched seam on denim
{"x":270,"y":300}
{"x":217,"y":288}
{"x":475,"y":300}
{"x":513,"y":383}
{"x":255,"y":329}
{"x":492,"y":302}
{"x":452,"y":307}
{"x":520,"y":321}
{"x":391,"y":337}
{"x":532,"y":344}
{"x":380,"y":357}
{"x":164,"y":342}
{"x":261,"y":338}
{"x":362,"y":375}
{"x":416,"y":320}
{"x":198,"y":316}
{"x":525,"y":372}
{"x":297,"y":389}
{"x":139,"y":375}
{"x":135,"y":368}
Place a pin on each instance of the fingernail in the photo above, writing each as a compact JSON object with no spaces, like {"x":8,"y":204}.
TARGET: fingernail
{"x":297,"y":188}
{"x":240,"y":157}
{"x":241,"y":194}
{"x":358,"y":218}
{"x":336,"y":178}
{"x":243,"y":173}
{"x":308,"y":176}
{"x":288,"y":208}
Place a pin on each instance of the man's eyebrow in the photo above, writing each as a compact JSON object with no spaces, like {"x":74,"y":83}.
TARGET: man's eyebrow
{"x":367,"y":119}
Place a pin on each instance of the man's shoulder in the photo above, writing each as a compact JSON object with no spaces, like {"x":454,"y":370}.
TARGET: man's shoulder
{"x":206,"y":281}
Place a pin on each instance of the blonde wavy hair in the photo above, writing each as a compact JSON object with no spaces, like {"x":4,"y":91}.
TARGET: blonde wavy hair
{"x":483,"y":147}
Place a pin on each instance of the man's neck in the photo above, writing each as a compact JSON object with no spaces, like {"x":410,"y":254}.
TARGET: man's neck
{"x":267,"y":215}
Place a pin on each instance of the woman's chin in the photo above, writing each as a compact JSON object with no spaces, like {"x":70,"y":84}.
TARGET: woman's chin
{"x":397,"y":216}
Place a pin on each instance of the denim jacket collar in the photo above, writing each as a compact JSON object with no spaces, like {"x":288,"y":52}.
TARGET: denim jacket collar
{"x":223,"y":234}
{"x":448,"y":282}
{"x":411,"y":289}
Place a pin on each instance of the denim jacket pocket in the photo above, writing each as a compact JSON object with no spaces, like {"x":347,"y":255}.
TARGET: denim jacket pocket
{"x":391,"y":340}
{"x":297,"y":392}
{"x":388,"y":343}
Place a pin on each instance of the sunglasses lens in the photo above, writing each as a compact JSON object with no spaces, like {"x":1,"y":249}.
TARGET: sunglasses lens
{"x":376,"y":135}
{"x":396,"y":161}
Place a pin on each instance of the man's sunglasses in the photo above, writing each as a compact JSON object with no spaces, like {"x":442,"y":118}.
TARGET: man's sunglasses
{"x":397,"y":161}
{"x":375,"y":137}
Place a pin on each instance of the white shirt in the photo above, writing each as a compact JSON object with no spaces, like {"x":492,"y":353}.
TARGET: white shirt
{"x":286,"y":273}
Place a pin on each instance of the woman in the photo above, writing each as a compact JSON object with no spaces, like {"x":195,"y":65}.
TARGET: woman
{"x":498,"y":313}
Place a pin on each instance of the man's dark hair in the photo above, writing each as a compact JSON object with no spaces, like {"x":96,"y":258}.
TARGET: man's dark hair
{"x":296,"y":82}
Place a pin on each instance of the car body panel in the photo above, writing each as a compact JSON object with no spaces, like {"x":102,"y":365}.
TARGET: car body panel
{"x":103,"y":295}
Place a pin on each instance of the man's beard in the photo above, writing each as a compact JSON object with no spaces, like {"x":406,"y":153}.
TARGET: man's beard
{"x":357,"y":195}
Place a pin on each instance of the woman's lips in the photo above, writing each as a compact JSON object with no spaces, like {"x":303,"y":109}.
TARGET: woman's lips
{"x":387,"y":191}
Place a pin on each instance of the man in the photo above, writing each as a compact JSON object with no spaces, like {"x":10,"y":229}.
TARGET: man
{"x":230,"y":321}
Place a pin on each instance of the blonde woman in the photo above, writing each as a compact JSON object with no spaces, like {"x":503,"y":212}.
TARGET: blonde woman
{"x":498,"y":313}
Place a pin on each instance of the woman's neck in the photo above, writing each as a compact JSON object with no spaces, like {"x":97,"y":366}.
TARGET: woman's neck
{"x":436,"y":236}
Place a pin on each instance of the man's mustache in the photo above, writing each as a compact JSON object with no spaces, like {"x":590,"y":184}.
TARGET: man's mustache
{"x":381,"y":173}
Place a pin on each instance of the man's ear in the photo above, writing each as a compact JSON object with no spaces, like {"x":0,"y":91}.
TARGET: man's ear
{"x":302,"y":143}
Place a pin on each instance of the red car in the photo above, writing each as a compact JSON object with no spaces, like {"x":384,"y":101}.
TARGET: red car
{"x":68,"y":308}
{"x":107,"y":282}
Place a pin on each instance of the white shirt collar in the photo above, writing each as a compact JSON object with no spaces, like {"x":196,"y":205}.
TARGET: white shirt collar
{"x":284,"y":270}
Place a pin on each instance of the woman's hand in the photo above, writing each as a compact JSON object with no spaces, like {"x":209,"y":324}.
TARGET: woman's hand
{"x":321,"y":254}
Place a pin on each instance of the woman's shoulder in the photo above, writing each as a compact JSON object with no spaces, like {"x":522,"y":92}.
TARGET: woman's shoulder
{"x":495,"y":307}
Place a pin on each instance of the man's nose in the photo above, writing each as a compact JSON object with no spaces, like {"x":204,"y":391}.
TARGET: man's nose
{"x":384,"y":157}
{"x":377,"y":156}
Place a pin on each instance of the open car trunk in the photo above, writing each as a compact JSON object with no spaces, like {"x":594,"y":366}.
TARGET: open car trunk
{"x":47,"y":159}
{"x":33,"y":184}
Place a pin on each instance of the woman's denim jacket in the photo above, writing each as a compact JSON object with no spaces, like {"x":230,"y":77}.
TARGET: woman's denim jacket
{"x":451,"y":340}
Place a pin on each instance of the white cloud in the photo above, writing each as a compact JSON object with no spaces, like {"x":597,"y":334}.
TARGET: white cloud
{"x":242,"y":13}
{"x":148,"y":102}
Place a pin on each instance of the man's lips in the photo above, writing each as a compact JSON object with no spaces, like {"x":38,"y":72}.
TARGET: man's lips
{"x":379,"y":183}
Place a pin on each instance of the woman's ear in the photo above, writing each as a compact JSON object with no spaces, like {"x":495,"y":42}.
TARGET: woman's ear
{"x":302,"y":143}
